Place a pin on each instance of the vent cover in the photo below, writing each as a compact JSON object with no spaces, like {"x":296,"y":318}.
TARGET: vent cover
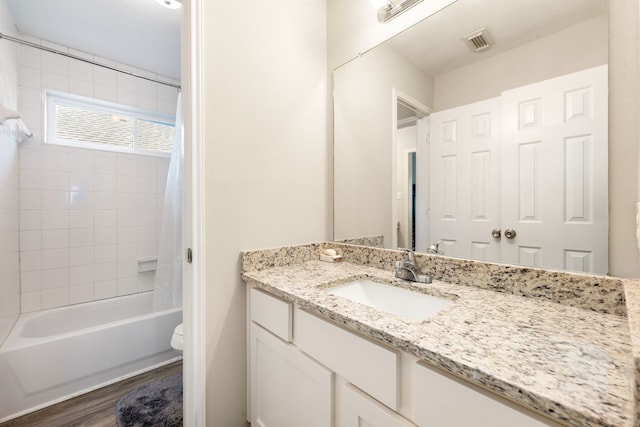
{"x":479,"y":40}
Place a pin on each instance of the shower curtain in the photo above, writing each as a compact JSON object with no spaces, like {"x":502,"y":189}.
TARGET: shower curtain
{"x":168,"y":283}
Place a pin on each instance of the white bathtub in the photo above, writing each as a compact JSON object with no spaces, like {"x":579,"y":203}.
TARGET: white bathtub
{"x":55,"y":354}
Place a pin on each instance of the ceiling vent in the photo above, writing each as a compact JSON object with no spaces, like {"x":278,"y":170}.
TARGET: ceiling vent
{"x":479,"y":40}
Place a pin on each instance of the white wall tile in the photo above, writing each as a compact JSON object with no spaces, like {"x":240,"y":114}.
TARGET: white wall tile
{"x":81,"y":237}
{"x":81,"y":274}
{"x":147,"y":184}
{"x":55,"y":239}
{"x":82,"y":256}
{"x":127,"y":201}
{"x":146,"y":282}
{"x":55,"y":258}
{"x":106,"y":271}
{"x":105,"y":93}
{"x":81,"y":219}
{"x":106,"y":218}
{"x":127,"y":235}
{"x":81,"y":160}
{"x":55,"y":159}
{"x":30,"y":219}
{"x":54,"y":63}
{"x":30,"y":179}
{"x":104,"y":200}
{"x":81,"y":293}
{"x":82,"y":200}
{"x":29,"y":56}
{"x":54,"y":200}
{"x":127,"y":184}
{"x":127,"y":166}
{"x":30,"y":260}
{"x":86,"y":214}
{"x":128,"y":252}
{"x":57,"y":297}
{"x":127,"y":285}
{"x":105,"y":289}
{"x":106,"y":236}
{"x":30,"y":159}
{"x":55,"y":180}
{"x":31,"y":281}
{"x":55,"y":278}
{"x":146,"y":249}
{"x":81,"y":181}
{"x":30,"y":240}
{"x":106,"y":254}
{"x":105,"y":183}
{"x":30,"y":199}
{"x":55,"y":81}
{"x":31,"y":301}
{"x":55,"y":219}
{"x":105,"y":165}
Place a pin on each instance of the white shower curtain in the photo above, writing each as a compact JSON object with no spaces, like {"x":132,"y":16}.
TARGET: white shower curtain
{"x":168,"y":284}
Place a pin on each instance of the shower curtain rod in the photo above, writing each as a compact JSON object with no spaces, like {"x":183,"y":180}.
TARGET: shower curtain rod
{"x":69,"y":55}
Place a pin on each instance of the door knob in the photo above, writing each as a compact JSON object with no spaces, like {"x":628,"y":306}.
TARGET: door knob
{"x":509,"y":233}
{"x":496,"y":233}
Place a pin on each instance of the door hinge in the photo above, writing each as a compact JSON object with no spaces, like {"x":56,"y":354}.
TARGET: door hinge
{"x":189,"y":255}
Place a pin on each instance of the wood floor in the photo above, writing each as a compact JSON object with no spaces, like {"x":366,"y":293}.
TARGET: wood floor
{"x":93,"y":409}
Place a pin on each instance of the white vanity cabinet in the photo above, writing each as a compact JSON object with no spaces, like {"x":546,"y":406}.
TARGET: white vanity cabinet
{"x":288,"y":389}
{"x":307,"y":371}
{"x":356,"y":409}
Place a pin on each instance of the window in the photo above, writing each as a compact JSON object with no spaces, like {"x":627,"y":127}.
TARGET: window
{"x":90,"y":123}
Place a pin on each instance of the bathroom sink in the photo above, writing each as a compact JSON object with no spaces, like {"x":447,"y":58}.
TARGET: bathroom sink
{"x":394,"y":300}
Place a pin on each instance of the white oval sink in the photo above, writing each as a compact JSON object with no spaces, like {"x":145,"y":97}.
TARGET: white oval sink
{"x":400,"y":302}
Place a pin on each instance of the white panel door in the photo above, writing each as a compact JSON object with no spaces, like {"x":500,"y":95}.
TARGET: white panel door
{"x":465,"y":177}
{"x":288,"y":389}
{"x":555,"y":153}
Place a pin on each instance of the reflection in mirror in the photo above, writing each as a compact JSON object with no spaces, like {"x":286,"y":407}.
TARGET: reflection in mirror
{"x":498,"y":154}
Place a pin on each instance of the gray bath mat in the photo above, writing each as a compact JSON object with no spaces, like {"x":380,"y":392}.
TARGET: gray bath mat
{"x":158,"y":403}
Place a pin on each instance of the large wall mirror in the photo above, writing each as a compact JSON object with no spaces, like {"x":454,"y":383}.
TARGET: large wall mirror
{"x":480,"y":132}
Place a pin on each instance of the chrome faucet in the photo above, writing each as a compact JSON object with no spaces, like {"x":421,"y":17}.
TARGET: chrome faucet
{"x":408,"y":269}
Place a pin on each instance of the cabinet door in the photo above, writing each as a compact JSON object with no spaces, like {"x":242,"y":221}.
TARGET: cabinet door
{"x":355,"y":409}
{"x":441,"y":401}
{"x":287,"y":388}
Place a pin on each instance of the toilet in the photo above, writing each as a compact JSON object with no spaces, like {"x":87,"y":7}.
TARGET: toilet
{"x":176,"y":339}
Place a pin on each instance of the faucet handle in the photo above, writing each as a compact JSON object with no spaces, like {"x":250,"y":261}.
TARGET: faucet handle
{"x":409,"y":255}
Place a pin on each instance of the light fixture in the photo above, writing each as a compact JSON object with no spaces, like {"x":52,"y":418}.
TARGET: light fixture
{"x":389,"y":10}
{"x":171,"y":4}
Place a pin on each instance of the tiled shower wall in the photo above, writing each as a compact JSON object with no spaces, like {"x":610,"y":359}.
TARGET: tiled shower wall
{"x":86,"y":215}
{"x":9,"y":175}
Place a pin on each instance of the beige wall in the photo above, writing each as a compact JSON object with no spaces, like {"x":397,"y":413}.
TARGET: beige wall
{"x":363,"y":199}
{"x":623,"y":108}
{"x":265,"y":163}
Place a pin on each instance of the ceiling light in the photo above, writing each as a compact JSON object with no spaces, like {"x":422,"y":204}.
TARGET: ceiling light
{"x":171,"y":4}
{"x":389,"y":10}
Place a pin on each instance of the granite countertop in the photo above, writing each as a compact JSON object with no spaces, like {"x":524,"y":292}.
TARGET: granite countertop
{"x":573,"y":365}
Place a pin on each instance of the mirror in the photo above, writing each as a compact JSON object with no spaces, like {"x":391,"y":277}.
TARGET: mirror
{"x":496,"y":155}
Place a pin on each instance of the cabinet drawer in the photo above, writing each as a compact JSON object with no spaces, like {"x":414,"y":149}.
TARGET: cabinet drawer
{"x":369,"y":366}
{"x":272,"y":314}
{"x":442,"y":401}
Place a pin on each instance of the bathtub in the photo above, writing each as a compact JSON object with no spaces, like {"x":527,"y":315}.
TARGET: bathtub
{"x":55,"y":354}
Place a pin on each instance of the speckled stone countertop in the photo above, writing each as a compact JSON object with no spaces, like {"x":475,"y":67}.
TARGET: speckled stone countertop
{"x":574,"y":365}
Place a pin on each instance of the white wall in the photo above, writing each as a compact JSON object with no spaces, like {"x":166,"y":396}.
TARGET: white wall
{"x":346,"y":41}
{"x":9,"y":178}
{"x":363,"y":131}
{"x":576,"y":48}
{"x":354,"y":29}
{"x":85,"y":215}
{"x":265,"y":163}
